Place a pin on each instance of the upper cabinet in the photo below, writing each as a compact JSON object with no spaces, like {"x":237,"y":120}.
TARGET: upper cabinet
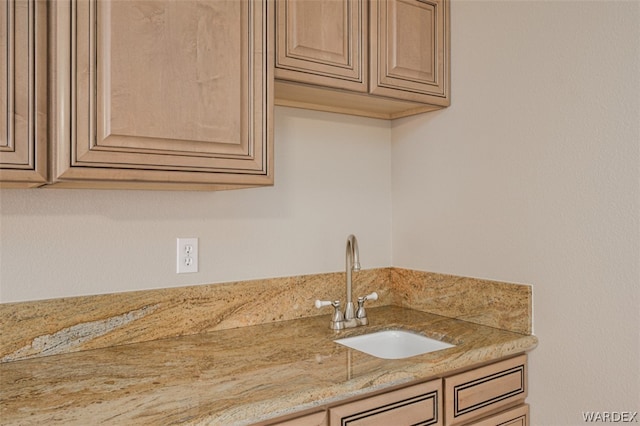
{"x":162,"y":94}
{"x":174,"y":94}
{"x":23,"y":93}
{"x":323,"y":42}
{"x":376,"y":58}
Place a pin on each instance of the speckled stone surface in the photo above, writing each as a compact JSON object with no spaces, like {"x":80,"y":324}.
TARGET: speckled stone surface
{"x":496,"y":304}
{"x":235,"y":376}
{"x":57,"y":326}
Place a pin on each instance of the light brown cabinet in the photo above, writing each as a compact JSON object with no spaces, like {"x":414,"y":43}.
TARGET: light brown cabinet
{"x":415,"y":404}
{"x":165,"y":94}
{"x":479,"y":392}
{"x":377,"y":58}
{"x":323,"y":42}
{"x":491,"y":395}
{"x":23,"y":93}
{"x":518,"y":416}
{"x":418,"y":404}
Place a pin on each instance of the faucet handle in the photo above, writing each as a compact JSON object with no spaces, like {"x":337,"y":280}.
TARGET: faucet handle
{"x":361,"y":314}
{"x":337,"y":320}
{"x":372,"y":296}
{"x":322,"y":303}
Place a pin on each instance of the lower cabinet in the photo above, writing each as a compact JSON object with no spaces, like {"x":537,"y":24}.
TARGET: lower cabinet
{"x":491,"y":395}
{"x":478,"y":393}
{"x":414,"y":405}
{"x":518,"y":416}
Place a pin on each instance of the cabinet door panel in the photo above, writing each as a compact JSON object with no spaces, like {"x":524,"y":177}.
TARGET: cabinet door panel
{"x":168,"y":82}
{"x":409,"y":45}
{"x":23,"y":107}
{"x":485,"y":390}
{"x":166,"y":90}
{"x":322,"y":42}
{"x":414,"y":405}
{"x":518,"y":416}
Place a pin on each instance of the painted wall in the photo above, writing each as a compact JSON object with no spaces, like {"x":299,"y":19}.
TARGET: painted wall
{"x":332,"y":179}
{"x":533,"y":175}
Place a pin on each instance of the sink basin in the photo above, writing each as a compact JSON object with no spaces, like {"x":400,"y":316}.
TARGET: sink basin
{"x":393,"y":344}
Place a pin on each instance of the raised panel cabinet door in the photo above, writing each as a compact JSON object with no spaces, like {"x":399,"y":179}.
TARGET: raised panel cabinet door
{"x":485,"y":390}
{"x":414,"y":405}
{"x":23,"y":93}
{"x":409,"y":50}
{"x":164,"y":91}
{"x":518,"y":416}
{"x":322,"y":42}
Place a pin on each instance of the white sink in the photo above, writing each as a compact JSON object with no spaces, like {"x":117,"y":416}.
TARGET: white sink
{"x":393,"y":344}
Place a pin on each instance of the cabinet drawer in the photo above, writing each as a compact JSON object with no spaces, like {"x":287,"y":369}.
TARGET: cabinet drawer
{"x":518,"y":416}
{"x":478,"y":392}
{"x":414,"y":405}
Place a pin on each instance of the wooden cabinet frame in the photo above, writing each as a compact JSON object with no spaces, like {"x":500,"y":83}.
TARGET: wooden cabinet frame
{"x":339,"y":60}
{"x":490,"y":395}
{"x":396,"y":71}
{"x":23,"y":99}
{"x":485,"y":390}
{"x":419,"y":404}
{"x":375,"y":58}
{"x":90,"y":152}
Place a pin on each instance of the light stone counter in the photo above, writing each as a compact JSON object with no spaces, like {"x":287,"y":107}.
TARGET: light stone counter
{"x":235,"y":376}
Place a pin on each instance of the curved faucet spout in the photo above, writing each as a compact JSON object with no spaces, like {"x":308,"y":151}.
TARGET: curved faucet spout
{"x":352,"y":264}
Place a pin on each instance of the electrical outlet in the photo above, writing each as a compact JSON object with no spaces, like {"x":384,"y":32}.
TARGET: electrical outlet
{"x":187,"y":255}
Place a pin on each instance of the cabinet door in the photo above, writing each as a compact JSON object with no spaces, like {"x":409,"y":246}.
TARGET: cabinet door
{"x":414,"y":405}
{"x":485,"y":390}
{"x":23,"y":102}
{"x":409,"y":50}
{"x":322,"y":42}
{"x":165,"y":91}
{"x":518,"y":416}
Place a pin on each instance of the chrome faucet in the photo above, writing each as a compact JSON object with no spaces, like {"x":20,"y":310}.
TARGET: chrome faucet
{"x":349,"y":319}
{"x":352,"y":261}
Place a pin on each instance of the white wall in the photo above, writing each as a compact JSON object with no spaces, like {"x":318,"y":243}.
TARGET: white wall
{"x":332,"y":179}
{"x":533,"y":175}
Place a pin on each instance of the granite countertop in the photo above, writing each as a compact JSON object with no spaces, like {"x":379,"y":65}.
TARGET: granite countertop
{"x":236,"y":376}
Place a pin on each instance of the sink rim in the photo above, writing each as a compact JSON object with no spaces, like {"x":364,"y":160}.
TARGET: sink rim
{"x":413,"y":343}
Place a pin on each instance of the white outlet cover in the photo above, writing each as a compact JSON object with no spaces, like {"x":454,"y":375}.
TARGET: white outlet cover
{"x":187,"y":255}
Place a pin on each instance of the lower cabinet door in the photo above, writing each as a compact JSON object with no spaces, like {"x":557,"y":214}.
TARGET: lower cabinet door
{"x":480,"y":392}
{"x":414,"y":405}
{"x":518,"y":416}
